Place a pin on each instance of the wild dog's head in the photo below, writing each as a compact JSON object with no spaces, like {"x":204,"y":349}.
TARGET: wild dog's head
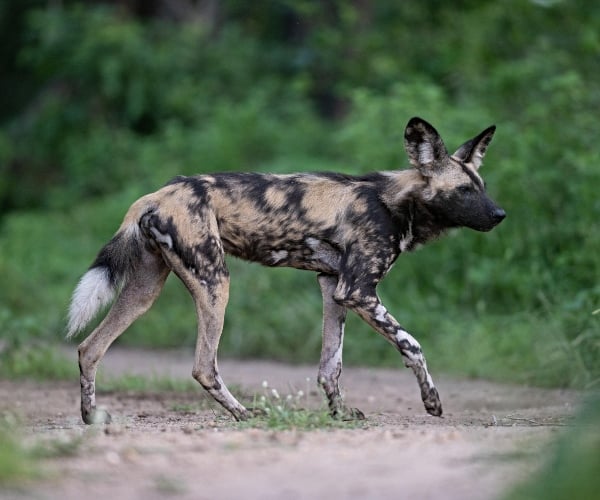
{"x":454,"y":192}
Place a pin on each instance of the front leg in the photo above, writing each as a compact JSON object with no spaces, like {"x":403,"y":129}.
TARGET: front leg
{"x":364,"y":301}
{"x":330,"y":366}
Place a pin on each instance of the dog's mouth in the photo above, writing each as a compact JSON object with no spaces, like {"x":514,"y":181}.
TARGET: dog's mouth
{"x":496,"y":217}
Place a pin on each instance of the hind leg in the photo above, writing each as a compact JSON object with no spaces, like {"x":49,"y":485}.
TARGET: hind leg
{"x":136,"y":297}
{"x":198,"y":259}
{"x":211,"y":300}
{"x":210,"y":293}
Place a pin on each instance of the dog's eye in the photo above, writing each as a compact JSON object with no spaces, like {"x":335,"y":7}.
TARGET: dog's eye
{"x":467,"y":188}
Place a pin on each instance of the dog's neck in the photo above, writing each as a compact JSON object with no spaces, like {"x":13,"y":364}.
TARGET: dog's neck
{"x":417,"y":222}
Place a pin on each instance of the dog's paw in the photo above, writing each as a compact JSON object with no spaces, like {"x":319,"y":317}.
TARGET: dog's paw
{"x":248,"y":413}
{"x":346,"y":414}
{"x":432,"y":403}
{"x":254,"y":411}
{"x":96,"y":417}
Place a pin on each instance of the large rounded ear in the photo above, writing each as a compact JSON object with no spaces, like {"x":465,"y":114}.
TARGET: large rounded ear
{"x":425,"y":148}
{"x":474,"y":150}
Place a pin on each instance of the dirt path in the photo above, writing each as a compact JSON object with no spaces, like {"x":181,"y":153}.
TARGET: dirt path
{"x":168,"y":444}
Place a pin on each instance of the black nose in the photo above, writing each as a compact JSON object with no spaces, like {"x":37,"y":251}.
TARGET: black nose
{"x":498,"y":215}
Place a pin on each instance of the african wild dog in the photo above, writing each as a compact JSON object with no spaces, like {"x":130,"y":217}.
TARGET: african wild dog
{"x":349,"y":229}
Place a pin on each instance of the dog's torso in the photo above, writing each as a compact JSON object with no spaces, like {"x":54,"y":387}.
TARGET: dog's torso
{"x":306,"y":221}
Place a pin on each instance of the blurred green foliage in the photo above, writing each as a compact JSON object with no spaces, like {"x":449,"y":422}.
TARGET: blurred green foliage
{"x":111,"y":105}
{"x":571,"y":470}
{"x":17,"y":464}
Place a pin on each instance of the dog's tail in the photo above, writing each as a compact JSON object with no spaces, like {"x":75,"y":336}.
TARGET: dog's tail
{"x":115,"y":263}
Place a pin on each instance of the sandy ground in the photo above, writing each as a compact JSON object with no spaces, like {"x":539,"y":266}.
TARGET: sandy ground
{"x":179,"y":445}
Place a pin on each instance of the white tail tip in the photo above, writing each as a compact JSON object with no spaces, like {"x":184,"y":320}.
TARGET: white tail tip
{"x":93,"y":292}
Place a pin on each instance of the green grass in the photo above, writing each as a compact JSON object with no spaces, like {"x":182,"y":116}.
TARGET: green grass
{"x":22,"y":463}
{"x":539,"y":349}
{"x":37,"y":362}
{"x":572,"y":469}
{"x":58,"y":447}
{"x":281,"y":417}
{"x":277,"y":412}
{"x":17,"y":464}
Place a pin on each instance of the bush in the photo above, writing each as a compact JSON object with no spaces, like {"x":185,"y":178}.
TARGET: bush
{"x":150,"y":94}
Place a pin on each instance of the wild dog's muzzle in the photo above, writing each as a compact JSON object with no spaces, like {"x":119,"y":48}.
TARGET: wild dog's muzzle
{"x":495,"y":217}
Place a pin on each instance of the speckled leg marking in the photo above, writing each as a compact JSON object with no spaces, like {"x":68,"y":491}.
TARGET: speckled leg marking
{"x":363,"y":300}
{"x":330,"y":366}
{"x":135,"y":299}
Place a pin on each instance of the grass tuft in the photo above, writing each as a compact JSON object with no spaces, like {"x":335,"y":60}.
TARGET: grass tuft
{"x":276,"y":412}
